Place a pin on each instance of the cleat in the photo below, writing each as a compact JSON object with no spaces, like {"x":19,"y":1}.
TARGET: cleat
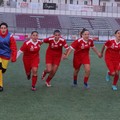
{"x":1,"y":89}
{"x":33,"y":89}
{"x":114,"y":87}
{"x":29,"y":76}
{"x":43,"y":75}
{"x":86,"y":85}
{"x":48,"y":84}
{"x":107,"y":77}
{"x":74,"y":83}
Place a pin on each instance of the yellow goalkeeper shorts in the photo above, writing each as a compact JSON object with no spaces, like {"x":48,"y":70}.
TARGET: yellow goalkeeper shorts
{"x":4,"y":63}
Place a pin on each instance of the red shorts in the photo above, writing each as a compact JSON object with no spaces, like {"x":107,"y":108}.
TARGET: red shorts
{"x":30,"y":63}
{"x":119,"y":67}
{"x":78,"y":61}
{"x":53,"y":59}
{"x":112,"y":65}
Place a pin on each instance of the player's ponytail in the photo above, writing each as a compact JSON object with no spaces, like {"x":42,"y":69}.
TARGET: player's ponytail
{"x":82,"y":31}
{"x":116,"y":31}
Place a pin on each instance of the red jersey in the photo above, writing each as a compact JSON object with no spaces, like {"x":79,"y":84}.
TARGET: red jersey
{"x":82,"y":47}
{"x":55,"y":47}
{"x":113,"y":50}
{"x":31,"y":49}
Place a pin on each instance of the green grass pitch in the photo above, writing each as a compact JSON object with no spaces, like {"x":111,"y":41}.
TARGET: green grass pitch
{"x":61,"y":101}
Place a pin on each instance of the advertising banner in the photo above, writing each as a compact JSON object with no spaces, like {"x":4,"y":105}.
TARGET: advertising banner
{"x":49,"y":6}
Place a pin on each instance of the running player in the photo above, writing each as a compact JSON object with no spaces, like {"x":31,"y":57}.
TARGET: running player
{"x":31,"y":59}
{"x":112,"y":58}
{"x":53,"y":55}
{"x":81,"y":49}
{"x":8,"y":50}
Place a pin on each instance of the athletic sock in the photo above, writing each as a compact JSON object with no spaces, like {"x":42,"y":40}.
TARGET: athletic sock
{"x":109,"y":73}
{"x":48,"y":79}
{"x":44,"y":73}
{"x":1,"y":78}
{"x":75,"y":79}
{"x":85,"y":80}
{"x":34,"y":80}
{"x":116,"y":77}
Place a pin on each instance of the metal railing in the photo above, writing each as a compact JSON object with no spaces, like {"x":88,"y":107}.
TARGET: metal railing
{"x":69,"y":34}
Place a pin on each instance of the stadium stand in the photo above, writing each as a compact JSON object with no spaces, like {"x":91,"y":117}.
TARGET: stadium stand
{"x":118,"y":20}
{"x":67,"y":24}
{"x":37,"y":21}
{"x":24,"y":20}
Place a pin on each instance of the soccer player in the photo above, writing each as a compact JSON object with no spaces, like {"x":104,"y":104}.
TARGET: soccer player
{"x":8,"y":50}
{"x":53,"y":55}
{"x":112,"y":58}
{"x":81,"y":49}
{"x":31,"y":58}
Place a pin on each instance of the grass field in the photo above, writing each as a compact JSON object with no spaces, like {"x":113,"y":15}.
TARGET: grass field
{"x":61,"y":101}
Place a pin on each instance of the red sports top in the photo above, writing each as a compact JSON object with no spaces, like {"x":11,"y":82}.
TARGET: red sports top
{"x":112,"y":50}
{"x":31,"y":49}
{"x":82,"y":47}
{"x":55,"y":47}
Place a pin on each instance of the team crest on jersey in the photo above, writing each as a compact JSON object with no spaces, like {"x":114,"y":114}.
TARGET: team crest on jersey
{"x":35,"y":47}
{"x":113,"y":45}
{"x":52,"y":45}
{"x":82,"y":46}
{"x":89,"y":43}
{"x":32,"y":48}
{"x":56,"y":45}
{"x":60,"y":44}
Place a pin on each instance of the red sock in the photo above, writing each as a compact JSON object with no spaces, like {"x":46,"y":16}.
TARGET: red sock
{"x":48,"y":79}
{"x":34,"y":80}
{"x":44,"y":73}
{"x":75,"y":77}
{"x":109,"y":73}
{"x":85,"y":79}
{"x":116,"y":77}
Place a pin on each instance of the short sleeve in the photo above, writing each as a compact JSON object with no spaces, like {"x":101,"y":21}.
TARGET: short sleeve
{"x":92,"y":43}
{"x":23,"y":47}
{"x":107,"y":43}
{"x":46,"y":40}
{"x":74,"y":45}
{"x":65,"y":44}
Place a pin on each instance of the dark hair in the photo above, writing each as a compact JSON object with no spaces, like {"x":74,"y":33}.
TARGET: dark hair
{"x":82,"y":31}
{"x":34,"y":32}
{"x":116,"y":31}
{"x":56,"y":31}
{"x":3,"y":23}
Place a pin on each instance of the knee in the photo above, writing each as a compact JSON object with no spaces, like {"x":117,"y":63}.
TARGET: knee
{"x":76,"y":71}
{"x":34,"y":72}
{"x":3,"y":70}
{"x":113,"y":73}
{"x":48,"y":70}
{"x":87,"y":72}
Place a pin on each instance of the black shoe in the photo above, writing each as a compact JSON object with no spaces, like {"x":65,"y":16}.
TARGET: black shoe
{"x":1,"y":89}
{"x":29,"y":76}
